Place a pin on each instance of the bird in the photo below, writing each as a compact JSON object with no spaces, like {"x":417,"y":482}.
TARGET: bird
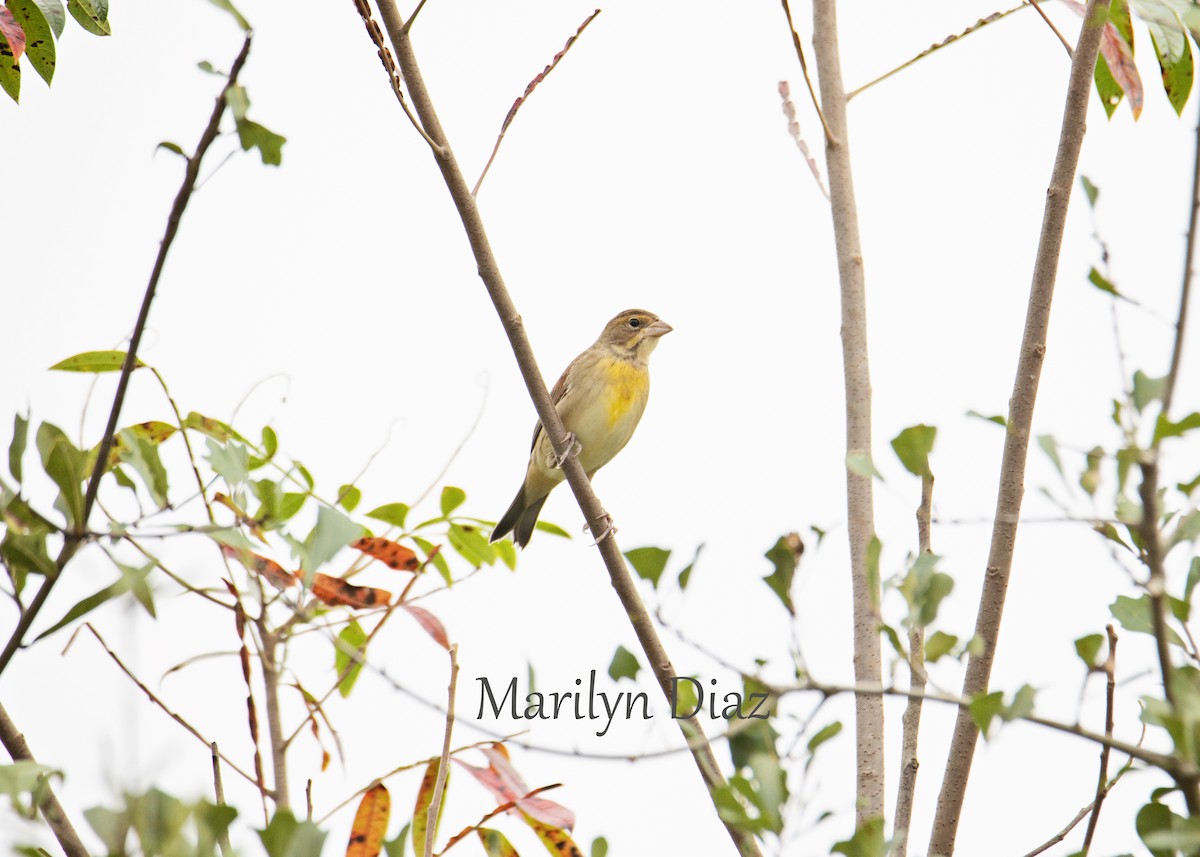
{"x":600,"y":398}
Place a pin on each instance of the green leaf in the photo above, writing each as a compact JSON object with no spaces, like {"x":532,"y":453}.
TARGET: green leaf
{"x":1090,"y":190}
{"x":348,"y":497}
{"x":1135,"y":614}
{"x":938,"y":645}
{"x":1186,"y":530}
{"x":1164,"y":428}
{"x":142,"y":456}
{"x":39,"y":40}
{"x":997,"y":419}
{"x":685,"y":698}
{"x":1088,"y":649}
{"x":230,"y":461}
{"x":599,"y":847}
{"x":92,"y":15}
{"x":25,"y":784}
{"x":270,"y":442}
{"x":1089,"y":480}
{"x":395,"y":847}
{"x":390,"y":513}
{"x":26,"y":553}
{"x":913,"y":446}
{"x":66,"y":465}
{"x":210,"y":428}
{"x":784,"y":556}
{"x":495,"y":843}
{"x":825,"y":734}
{"x":1102,"y":283}
{"x":984,"y":707}
{"x":507,"y":553}
{"x":346,"y":667}
{"x":1021,"y":705}
{"x":924,"y":588}
{"x":685,"y":576}
{"x":1193,"y":578}
{"x":55,"y":15}
{"x":171,"y":147}
{"x":1171,"y":47}
{"x":648,"y":562}
{"x":624,"y":664}
{"x":1147,"y":389}
{"x":1050,"y":446}
{"x":439,"y":561}
{"x":131,"y":579}
{"x":452,"y":498}
{"x":111,"y":826}
{"x":867,"y":841}
{"x":255,"y":136}
{"x":861,"y":463}
{"x":1152,"y":819}
{"x":237,"y":16}
{"x":471,"y":545}
{"x":16,"y":449}
{"x":95,"y":361}
{"x":332,"y":533}
{"x":286,"y":837}
{"x":552,"y":529}
{"x":10,"y":72}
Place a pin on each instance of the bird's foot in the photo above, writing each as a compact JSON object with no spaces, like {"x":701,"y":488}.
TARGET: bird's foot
{"x":609,"y":530}
{"x":574,"y":447}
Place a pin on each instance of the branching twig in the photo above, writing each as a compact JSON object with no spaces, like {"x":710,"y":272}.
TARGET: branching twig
{"x":1079,"y":816}
{"x":73,"y":540}
{"x":533,"y":84}
{"x":812,"y":93}
{"x":1020,"y":419}
{"x":219,"y":794}
{"x":1102,"y":784}
{"x":154,"y":699}
{"x":1050,"y":24}
{"x":911,"y":722}
{"x":593,"y":512}
{"x":860,"y":514}
{"x":52,"y":811}
{"x":435,"y":806}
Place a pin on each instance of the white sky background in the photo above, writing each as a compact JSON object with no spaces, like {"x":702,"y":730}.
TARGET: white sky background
{"x":652,"y":169}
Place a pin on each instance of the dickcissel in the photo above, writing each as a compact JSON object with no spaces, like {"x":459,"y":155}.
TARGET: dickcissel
{"x":600,"y":399}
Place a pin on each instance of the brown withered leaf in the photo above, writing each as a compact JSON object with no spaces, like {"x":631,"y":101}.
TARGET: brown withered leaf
{"x":393,"y":555}
{"x":337,"y":592}
{"x":370,"y":823}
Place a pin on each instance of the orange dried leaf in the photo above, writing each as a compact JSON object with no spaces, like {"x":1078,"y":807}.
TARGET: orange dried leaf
{"x":275,"y":574}
{"x":432,"y":625}
{"x":335,"y":592}
{"x":393,"y":555}
{"x":370,"y":823}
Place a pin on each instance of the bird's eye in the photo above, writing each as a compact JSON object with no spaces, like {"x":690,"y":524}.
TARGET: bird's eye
{"x":635,"y":323}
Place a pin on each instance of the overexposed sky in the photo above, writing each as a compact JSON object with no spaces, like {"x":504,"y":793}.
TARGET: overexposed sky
{"x":652,"y":169}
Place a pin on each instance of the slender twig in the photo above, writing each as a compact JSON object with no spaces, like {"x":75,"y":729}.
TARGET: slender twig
{"x":1050,"y":24}
{"x":593,"y":511}
{"x":435,"y":806}
{"x":911,"y":722}
{"x":504,"y":807}
{"x":308,"y":799}
{"x":52,"y":811}
{"x":219,"y":793}
{"x":270,"y":661}
{"x":412,"y":19}
{"x":812,"y":93}
{"x":389,"y":65}
{"x":1079,"y":816}
{"x":154,"y":699}
{"x":532,"y":85}
{"x":1185,"y":290}
{"x":1020,"y":419}
{"x":949,"y":40}
{"x":73,"y":540}
{"x":860,"y":514}
{"x":1102,"y":784}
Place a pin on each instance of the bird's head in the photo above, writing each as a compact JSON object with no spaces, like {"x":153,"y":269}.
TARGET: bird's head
{"x":634,"y":332}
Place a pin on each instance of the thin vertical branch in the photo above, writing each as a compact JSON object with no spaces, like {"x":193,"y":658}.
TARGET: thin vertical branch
{"x":270,"y":668}
{"x":439,"y":785}
{"x":593,"y":512}
{"x":860,"y":514}
{"x":1110,"y":693}
{"x":74,"y":539}
{"x":219,"y":794}
{"x":52,"y":811}
{"x":1020,"y":419}
{"x":1189,"y":259}
{"x":911,"y":722}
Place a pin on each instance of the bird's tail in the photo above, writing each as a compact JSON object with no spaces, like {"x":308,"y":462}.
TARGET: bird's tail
{"x":519,"y":519}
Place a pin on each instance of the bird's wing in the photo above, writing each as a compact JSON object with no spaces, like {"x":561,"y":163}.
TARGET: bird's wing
{"x":561,"y":388}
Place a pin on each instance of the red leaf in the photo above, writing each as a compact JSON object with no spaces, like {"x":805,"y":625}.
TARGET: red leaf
{"x":391,"y":554}
{"x":275,"y":573}
{"x":335,"y":592}
{"x":1124,"y":71}
{"x":503,"y":781}
{"x":12,"y":31}
{"x":432,"y":625}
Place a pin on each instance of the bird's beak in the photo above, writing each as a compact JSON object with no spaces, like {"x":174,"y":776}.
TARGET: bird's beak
{"x":658,"y":328}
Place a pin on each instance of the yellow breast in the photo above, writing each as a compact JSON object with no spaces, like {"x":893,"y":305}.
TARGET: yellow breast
{"x":625,"y":389}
